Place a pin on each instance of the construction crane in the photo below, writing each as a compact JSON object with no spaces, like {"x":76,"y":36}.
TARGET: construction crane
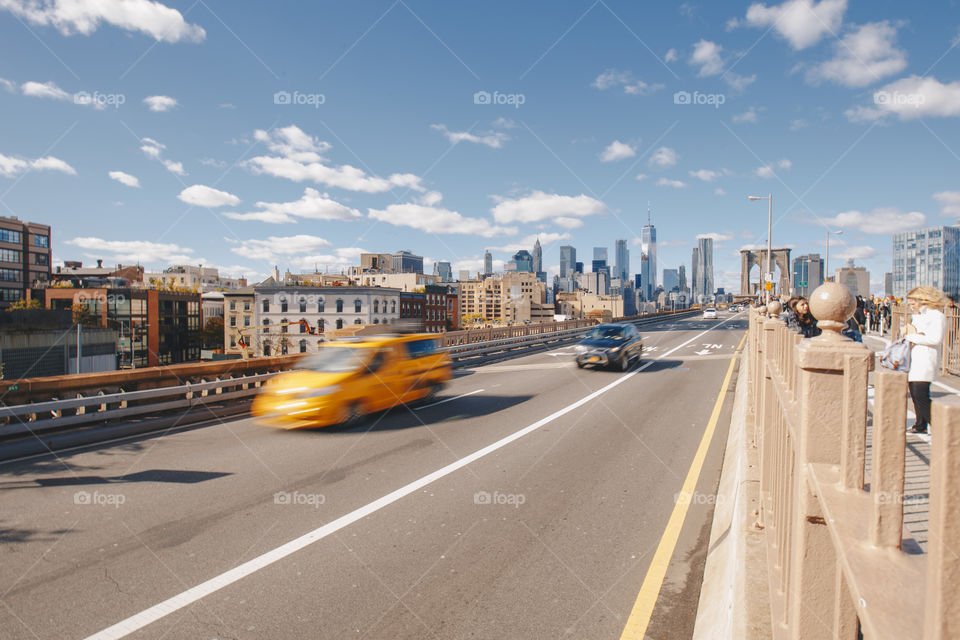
{"x":243,"y":343}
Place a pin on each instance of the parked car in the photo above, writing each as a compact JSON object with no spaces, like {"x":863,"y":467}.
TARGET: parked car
{"x":617,"y":345}
{"x":709,"y":313}
{"x":348,"y":379}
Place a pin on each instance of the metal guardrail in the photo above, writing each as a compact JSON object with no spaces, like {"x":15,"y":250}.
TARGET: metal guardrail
{"x":838,"y":561}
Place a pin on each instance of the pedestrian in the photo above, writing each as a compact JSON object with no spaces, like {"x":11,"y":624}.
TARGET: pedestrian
{"x":802,"y":321}
{"x":925,"y":331}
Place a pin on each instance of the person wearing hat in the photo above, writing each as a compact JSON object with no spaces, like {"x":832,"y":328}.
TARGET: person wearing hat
{"x":925,"y":332}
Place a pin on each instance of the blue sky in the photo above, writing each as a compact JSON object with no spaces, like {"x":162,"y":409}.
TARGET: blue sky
{"x":161,"y":133}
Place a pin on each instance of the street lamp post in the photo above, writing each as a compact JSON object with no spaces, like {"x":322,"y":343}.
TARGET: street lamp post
{"x":769,"y":199}
{"x":826,"y":260}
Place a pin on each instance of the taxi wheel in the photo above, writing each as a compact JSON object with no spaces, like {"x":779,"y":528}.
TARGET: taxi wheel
{"x":352,"y":416}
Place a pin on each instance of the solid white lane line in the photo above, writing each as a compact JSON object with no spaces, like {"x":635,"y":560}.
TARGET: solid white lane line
{"x":427,"y":406}
{"x":158,"y":611}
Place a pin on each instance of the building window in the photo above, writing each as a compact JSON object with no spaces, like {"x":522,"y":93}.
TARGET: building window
{"x":320,"y":325}
{"x":40,"y":259}
{"x":303,"y":305}
{"x":283,"y":305}
{"x":376,"y":321}
{"x":303,"y":325}
{"x":393,"y":306}
{"x":339,"y":323}
{"x":356,"y":306}
{"x":266,"y":325}
{"x":357,"y":321}
{"x":233,"y":341}
{"x":233,"y":306}
{"x":283,"y":326}
{"x":246,"y":305}
{"x":266,"y":349}
{"x":233,"y":321}
{"x":9,"y":255}
{"x":303,"y":346}
{"x":9,"y":235}
{"x":266,"y":306}
{"x":320,"y":306}
{"x":339,"y":306}
{"x":246,"y":321}
{"x":376,"y":306}
{"x":41,"y":241}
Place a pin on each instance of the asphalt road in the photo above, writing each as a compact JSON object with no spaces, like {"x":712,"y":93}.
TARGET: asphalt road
{"x":248,"y":532}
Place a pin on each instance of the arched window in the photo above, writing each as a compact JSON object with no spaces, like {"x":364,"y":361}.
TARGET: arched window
{"x":393,"y":306}
{"x":339,"y":306}
{"x":266,"y":306}
{"x":303,"y":305}
{"x":320,"y":305}
{"x":339,"y":323}
{"x":303,"y":346}
{"x":376,"y":321}
{"x":283,"y":305}
{"x":320,"y":325}
{"x":266,"y":349}
{"x":376,"y":306}
{"x":357,"y":321}
{"x":356,"y":306}
{"x":303,"y":324}
{"x":283,"y":326}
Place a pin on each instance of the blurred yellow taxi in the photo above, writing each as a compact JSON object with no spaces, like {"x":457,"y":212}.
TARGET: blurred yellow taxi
{"x":348,"y":379}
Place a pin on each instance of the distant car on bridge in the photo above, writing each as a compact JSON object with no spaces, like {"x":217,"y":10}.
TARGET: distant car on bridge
{"x":709,"y":313}
{"x":616,"y":345}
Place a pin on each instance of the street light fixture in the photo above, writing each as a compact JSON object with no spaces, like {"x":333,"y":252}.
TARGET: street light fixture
{"x":769,"y":199}
{"x":826,"y":260}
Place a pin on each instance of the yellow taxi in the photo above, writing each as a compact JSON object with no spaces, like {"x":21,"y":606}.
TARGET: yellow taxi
{"x":347,"y":379}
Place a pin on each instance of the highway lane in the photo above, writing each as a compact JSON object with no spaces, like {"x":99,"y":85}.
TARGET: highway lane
{"x":550,"y":535}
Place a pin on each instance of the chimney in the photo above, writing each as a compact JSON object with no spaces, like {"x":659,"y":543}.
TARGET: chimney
{"x":99,"y":264}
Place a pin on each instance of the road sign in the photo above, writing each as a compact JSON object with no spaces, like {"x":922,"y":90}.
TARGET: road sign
{"x":769,"y":286}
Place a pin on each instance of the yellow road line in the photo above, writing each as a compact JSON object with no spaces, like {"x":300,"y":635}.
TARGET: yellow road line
{"x":642,"y":611}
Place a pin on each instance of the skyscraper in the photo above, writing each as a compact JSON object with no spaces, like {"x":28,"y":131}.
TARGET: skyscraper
{"x":537,"y":256}
{"x":807,"y":274}
{"x":695,"y":276}
{"x":444,"y":270}
{"x":928,"y":257}
{"x":704,"y":268}
{"x":600,"y":261}
{"x":648,"y":257}
{"x":487,"y":263}
{"x":568,"y":261}
{"x":671,"y":280}
{"x":623,"y":261}
{"x":682,"y":278}
{"x":522,"y":261}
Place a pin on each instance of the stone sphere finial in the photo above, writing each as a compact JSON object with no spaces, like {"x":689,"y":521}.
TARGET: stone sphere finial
{"x":832,"y":305}
{"x":774,"y":308}
{"x":762,"y":309}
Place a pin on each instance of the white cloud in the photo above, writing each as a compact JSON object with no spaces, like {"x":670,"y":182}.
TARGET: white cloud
{"x":136,"y":251}
{"x":175,"y":167}
{"x":612,"y":78}
{"x":766,"y":172}
{"x":676,"y":184}
{"x":151,"y":147}
{"x":664,"y":157}
{"x":11,"y":166}
{"x":212,"y":162}
{"x":504,"y":123}
{"x":738,"y":82}
{"x":85,"y":16}
{"x":124,"y":178}
{"x":719,"y":192}
{"x":274,"y":247}
{"x":706,"y":55}
{"x":856,"y":253}
{"x":784,"y":163}
{"x":527,"y":242}
{"x":796,"y":125}
{"x":707,"y":175}
{"x":204,"y":196}
{"x":544,"y":206}
{"x":437,"y":220}
{"x":882,"y":221}
{"x":8,"y":85}
{"x":312,"y":206}
{"x":44,"y":89}
{"x":641,"y":176}
{"x":910,"y":98}
{"x":430,"y":198}
{"x":617,"y":150}
{"x":568,"y":223}
{"x":160,"y":103}
{"x":750,"y":115}
{"x":801,"y":22}
{"x":670,"y":56}
{"x":475,"y":264}
{"x":716,"y":237}
{"x":950,"y":201}
{"x":494,"y":140}
{"x":300,"y":159}
{"x":862,"y":57}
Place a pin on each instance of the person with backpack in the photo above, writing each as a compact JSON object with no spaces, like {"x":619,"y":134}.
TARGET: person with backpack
{"x":925,"y":332}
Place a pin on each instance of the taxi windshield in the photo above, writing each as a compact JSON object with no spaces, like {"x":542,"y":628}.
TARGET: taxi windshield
{"x":335,"y":360}
{"x":606,"y":333}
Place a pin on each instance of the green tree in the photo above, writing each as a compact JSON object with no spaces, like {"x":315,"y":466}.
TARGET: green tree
{"x":211,"y":335}
{"x":22,"y":304}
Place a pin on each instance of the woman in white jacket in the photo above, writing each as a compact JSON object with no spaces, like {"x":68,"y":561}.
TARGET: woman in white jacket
{"x":925,"y":331}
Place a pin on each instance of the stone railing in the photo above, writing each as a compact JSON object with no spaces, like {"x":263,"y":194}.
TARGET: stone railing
{"x":839,"y":561}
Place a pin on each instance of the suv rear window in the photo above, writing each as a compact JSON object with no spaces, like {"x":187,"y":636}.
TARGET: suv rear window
{"x":422,"y":348}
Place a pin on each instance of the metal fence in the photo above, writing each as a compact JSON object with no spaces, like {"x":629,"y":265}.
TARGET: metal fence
{"x":838,"y":562}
